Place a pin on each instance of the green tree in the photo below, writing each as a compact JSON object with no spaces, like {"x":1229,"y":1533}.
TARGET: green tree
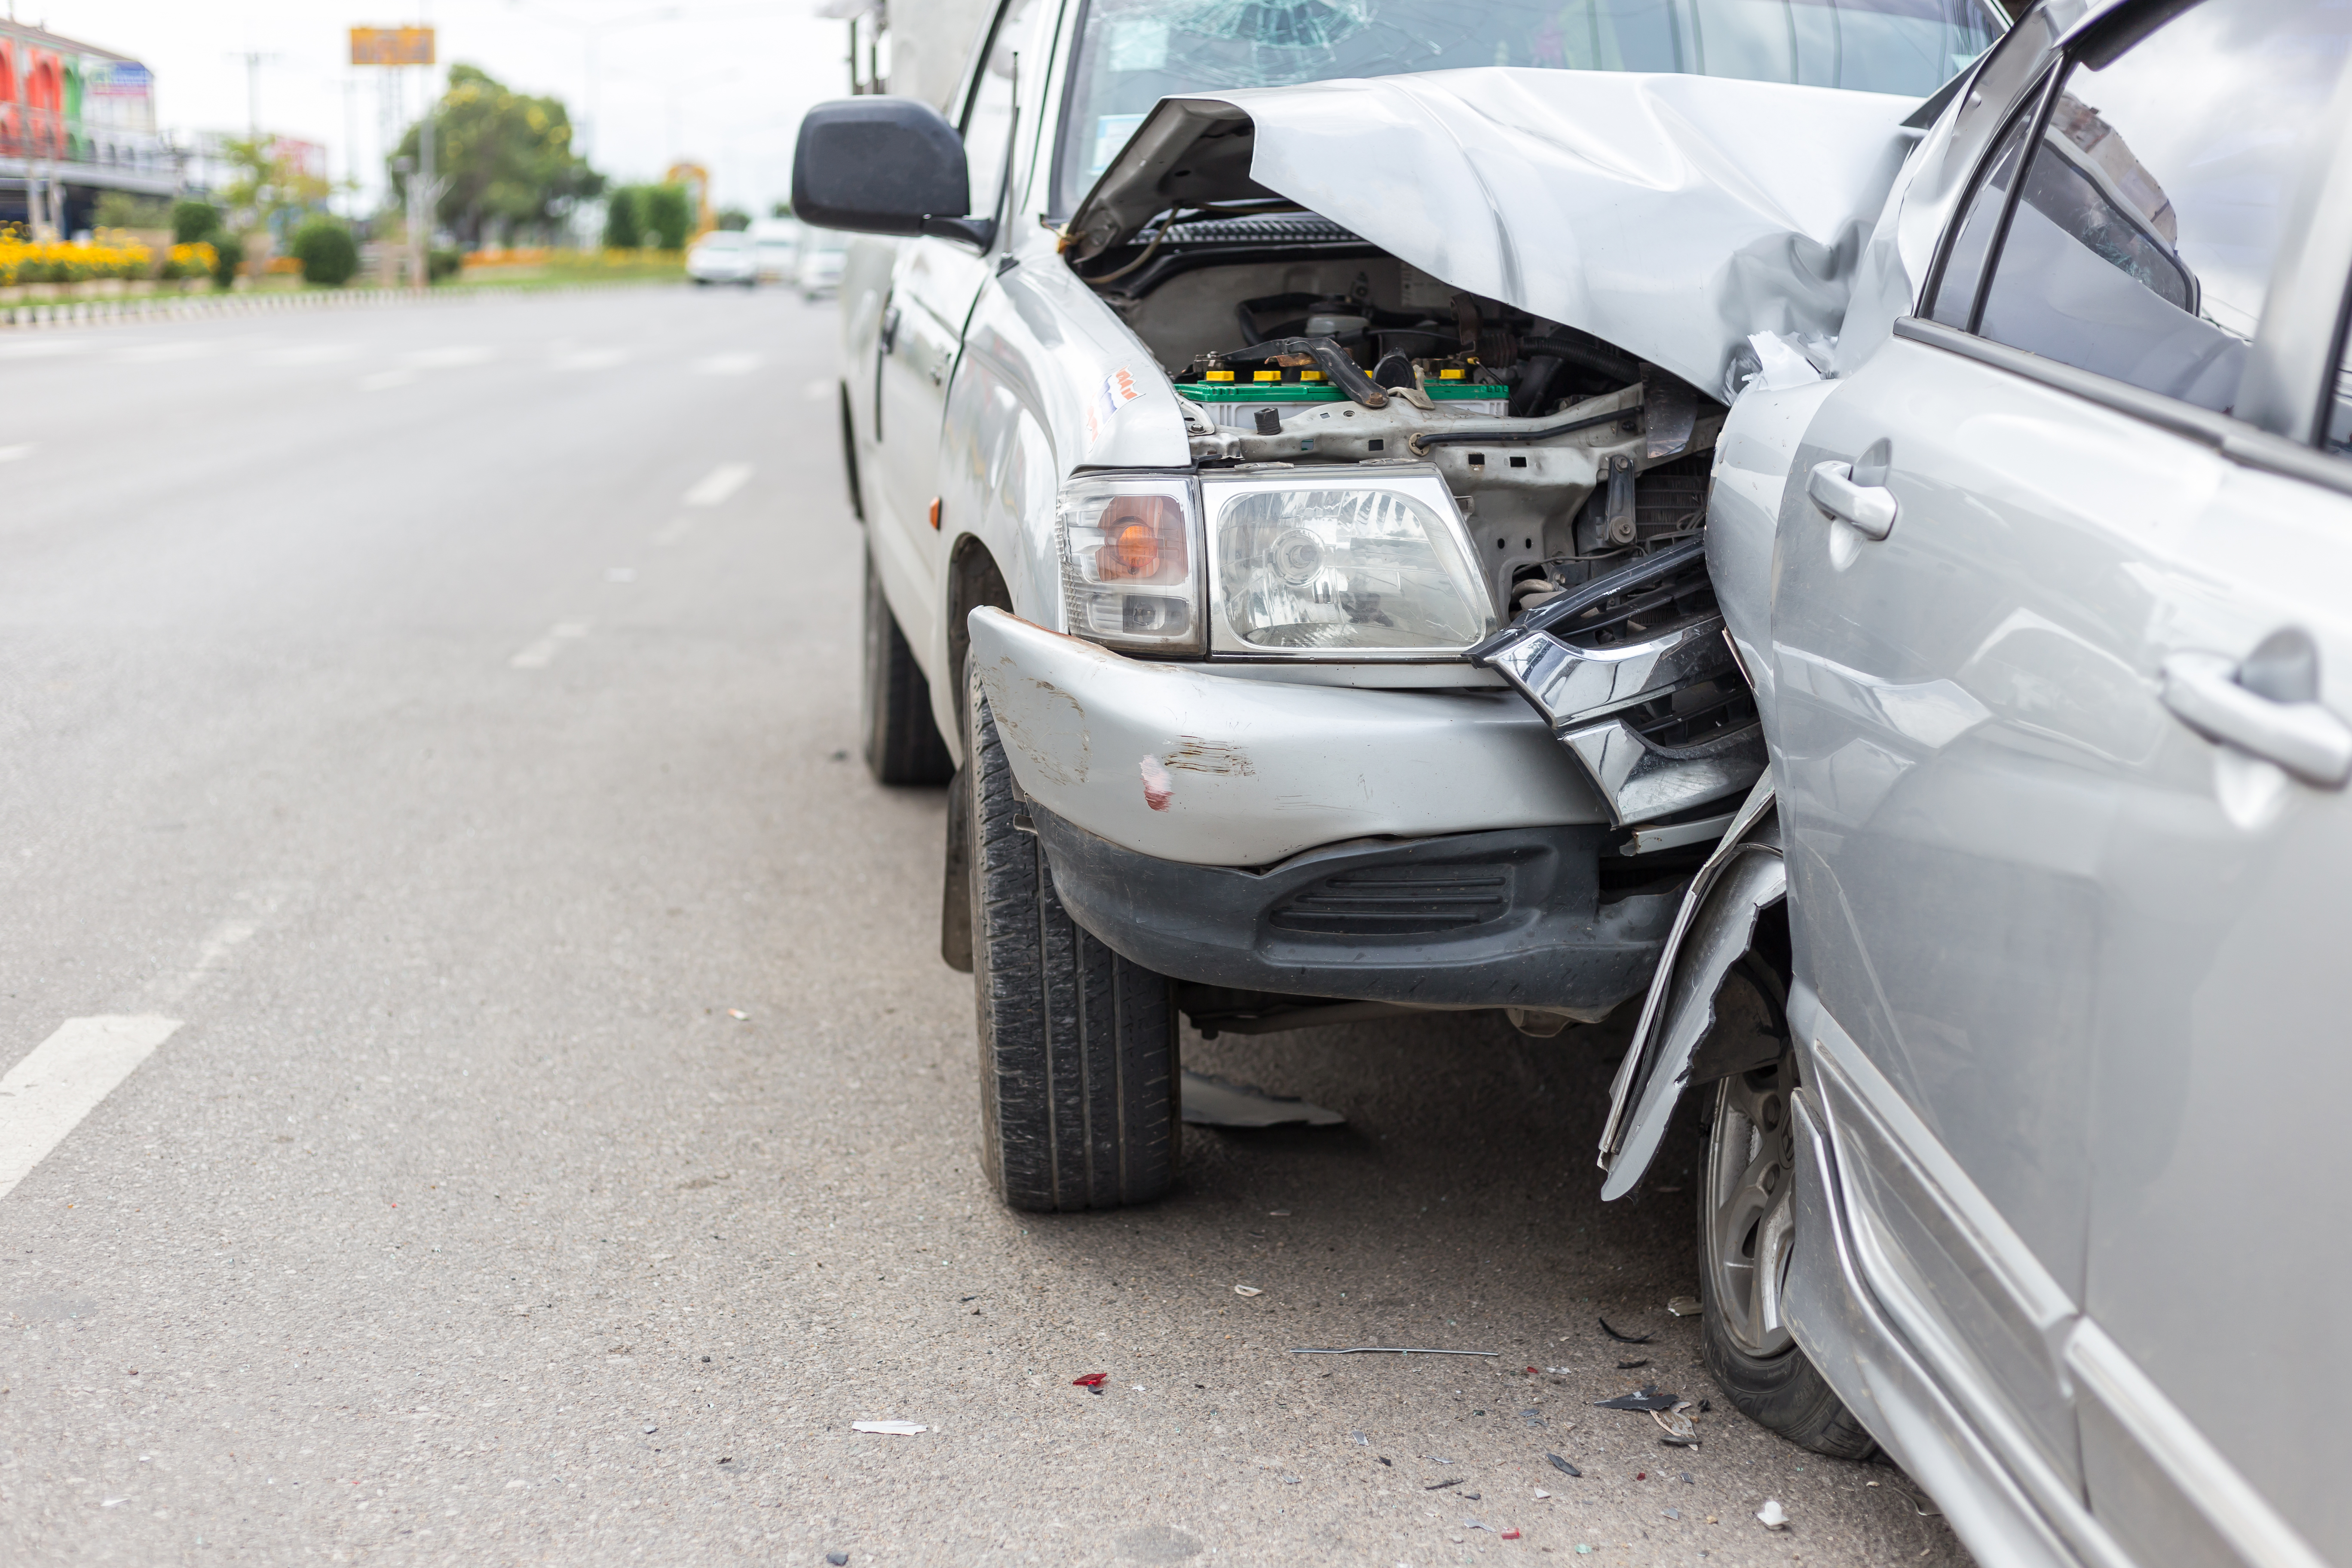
{"x":734,"y":219}
{"x":669,"y":214}
{"x":499,"y":158}
{"x":623,"y":228}
{"x":192,"y":221}
{"x":327,"y":251}
{"x":271,"y":188}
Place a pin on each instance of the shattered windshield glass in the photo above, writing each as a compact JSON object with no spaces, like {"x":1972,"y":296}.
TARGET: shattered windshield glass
{"x":1132,"y":53}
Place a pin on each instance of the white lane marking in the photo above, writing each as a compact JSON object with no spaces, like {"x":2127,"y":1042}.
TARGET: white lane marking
{"x":385,"y":380}
{"x":591,"y":359}
{"x":10,"y":454}
{"x":210,"y":960}
{"x":728,"y":364}
{"x":450,"y":358}
{"x":307,"y":353}
{"x":46,"y":1096}
{"x":718,"y":484}
{"x":673,"y":531}
{"x":45,"y":347}
{"x":163,"y":352}
{"x":539,"y":654}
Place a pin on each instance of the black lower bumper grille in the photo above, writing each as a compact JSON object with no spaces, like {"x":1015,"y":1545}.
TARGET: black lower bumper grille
{"x":1399,"y":900}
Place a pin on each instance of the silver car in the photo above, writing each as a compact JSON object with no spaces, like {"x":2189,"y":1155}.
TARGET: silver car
{"x":2009,"y":993}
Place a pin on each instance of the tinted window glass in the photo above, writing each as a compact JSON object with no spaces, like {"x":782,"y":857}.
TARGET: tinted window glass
{"x":1131,"y":53}
{"x":1956,"y":296}
{"x":989,"y":119}
{"x":2141,"y":244}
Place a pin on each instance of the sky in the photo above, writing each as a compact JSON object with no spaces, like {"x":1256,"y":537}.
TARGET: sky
{"x":719,"y":82}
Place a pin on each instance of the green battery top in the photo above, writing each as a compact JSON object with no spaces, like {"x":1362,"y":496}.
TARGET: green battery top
{"x":1240,"y":391}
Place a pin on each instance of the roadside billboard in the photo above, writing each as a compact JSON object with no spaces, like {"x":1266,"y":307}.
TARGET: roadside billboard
{"x":392,"y":45}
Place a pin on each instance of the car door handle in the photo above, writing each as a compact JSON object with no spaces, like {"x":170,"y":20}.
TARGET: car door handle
{"x":2207,"y":693}
{"x":890,"y":333}
{"x":1869,"y":508}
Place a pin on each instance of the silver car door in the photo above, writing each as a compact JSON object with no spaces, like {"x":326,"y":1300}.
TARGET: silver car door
{"x":2220,"y":1163}
{"x":1969,"y":571}
{"x":932,"y":290}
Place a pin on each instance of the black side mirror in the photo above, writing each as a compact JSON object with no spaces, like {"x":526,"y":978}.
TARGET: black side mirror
{"x":885,"y":166}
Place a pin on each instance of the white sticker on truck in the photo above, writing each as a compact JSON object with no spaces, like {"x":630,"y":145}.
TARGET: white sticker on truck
{"x":1116,"y":392}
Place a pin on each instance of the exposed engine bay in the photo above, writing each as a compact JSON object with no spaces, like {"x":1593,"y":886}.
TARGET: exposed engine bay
{"x":1579,"y":470}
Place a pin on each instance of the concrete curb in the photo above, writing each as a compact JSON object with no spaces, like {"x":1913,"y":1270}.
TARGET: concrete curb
{"x":201,"y":306}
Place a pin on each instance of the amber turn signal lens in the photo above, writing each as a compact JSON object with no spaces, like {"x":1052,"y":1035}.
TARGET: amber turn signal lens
{"x":1143,"y":538}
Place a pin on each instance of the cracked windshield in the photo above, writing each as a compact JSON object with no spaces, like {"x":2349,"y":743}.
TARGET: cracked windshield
{"x":1132,"y":53}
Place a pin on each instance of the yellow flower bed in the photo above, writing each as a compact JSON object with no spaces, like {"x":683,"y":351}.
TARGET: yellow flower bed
{"x":192,"y":260}
{"x":26,"y":261}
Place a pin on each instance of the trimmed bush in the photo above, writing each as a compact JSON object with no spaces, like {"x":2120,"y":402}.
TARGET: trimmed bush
{"x":440,"y":264}
{"x":228,"y":254}
{"x":193,"y":221}
{"x":328,"y":253}
{"x":624,"y":227}
{"x":669,"y":214}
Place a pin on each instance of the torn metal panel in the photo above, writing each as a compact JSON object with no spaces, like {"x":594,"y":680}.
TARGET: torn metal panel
{"x":1670,"y":216}
{"x":1744,"y":876}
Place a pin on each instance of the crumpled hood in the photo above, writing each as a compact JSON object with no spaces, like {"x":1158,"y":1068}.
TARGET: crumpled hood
{"x":1672,"y":215}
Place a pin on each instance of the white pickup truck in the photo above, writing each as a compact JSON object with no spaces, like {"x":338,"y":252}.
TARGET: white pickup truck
{"x":1186,"y":497}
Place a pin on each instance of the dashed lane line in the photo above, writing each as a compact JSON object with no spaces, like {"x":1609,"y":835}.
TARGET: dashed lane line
{"x":45,"y":1097}
{"x":719,"y":483}
{"x":538,"y":655}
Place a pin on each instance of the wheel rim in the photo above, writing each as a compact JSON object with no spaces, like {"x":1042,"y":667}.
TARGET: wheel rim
{"x":1749,"y":1221}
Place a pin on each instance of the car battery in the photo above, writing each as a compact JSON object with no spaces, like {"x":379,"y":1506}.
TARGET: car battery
{"x":1232,"y":398}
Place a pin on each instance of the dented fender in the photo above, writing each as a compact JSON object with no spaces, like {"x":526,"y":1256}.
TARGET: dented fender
{"x":1183,"y":763}
{"x":1743,"y":878}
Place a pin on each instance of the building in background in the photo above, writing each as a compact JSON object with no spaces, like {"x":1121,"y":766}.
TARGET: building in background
{"x":74,"y":121}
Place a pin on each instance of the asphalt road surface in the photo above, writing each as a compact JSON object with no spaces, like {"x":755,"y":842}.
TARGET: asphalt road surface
{"x":544,"y":1124}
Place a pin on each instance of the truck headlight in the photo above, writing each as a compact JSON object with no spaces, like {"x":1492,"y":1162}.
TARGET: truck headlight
{"x":1130,"y":562}
{"x":1308,"y":563}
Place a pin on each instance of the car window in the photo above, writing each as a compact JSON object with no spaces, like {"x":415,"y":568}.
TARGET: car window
{"x":2146,"y":219}
{"x":988,"y":118}
{"x":1132,"y":53}
{"x":1955,"y":292}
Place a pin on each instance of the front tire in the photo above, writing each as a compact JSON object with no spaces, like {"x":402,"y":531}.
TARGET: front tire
{"x":1079,"y":1087}
{"x":903,"y":745}
{"x":1746,"y":1232}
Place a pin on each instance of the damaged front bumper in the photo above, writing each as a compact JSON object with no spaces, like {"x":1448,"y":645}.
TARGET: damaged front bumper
{"x":1424,"y":847}
{"x":1636,"y":678}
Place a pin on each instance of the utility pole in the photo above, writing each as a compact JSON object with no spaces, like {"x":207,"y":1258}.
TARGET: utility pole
{"x":420,"y":224}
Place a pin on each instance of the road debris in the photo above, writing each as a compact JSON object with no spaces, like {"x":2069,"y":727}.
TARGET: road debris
{"x":1091,"y":1380}
{"x":1773,"y":1516}
{"x":1510,"y":1535}
{"x":1624,"y":1339}
{"x":893,"y":1428}
{"x":1214,"y":1102}
{"x":838,"y":1559}
{"x":1541,"y":1493}
{"x":1383,"y":1349}
{"x":1648,"y":1399}
{"x":1359,"y":1437}
{"x":1562,"y":1465}
{"x":1632,"y":1365}
{"x":1477,"y":1524}
{"x":1443,"y":1485}
{"x":1680,"y":1431}
{"x":1532,"y":1417}
{"x":737,"y":1012}
{"x":1248,"y":1290}
{"x":1684,"y":1307}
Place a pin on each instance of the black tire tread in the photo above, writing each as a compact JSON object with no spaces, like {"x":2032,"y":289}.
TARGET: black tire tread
{"x":1077,"y":1045}
{"x":903,"y":744}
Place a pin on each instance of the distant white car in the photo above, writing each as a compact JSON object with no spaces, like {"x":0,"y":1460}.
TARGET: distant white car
{"x":776,"y":249}
{"x":821,"y":251}
{"x":726,"y":256}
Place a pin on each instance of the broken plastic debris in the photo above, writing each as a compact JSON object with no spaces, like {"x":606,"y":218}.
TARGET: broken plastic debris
{"x":1684,"y":1307}
{"x":1359,"y":1437}
{"x":1562,"y":1465}
{"x":1441,"y":1486}
{"x":1632,"y":1365}
{"x":1476,"y":1524}
{"x":1624,"y":1339}
{"x":1510,"y":1535}
{"x":737,"y":1012}
{"x":1214,"y":1102}
{"x":894,"y":1428}
{"x":1541,"y":1493}
{"x":1680,"y":1431}
{"x":838,"y":1559}
{"x":1385,"y":1349}
{"x":1248,"y":1290}
{"x":1648,"y":1399}
{"x":1773,"y":1516}
{"x":1091,"y":1380}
